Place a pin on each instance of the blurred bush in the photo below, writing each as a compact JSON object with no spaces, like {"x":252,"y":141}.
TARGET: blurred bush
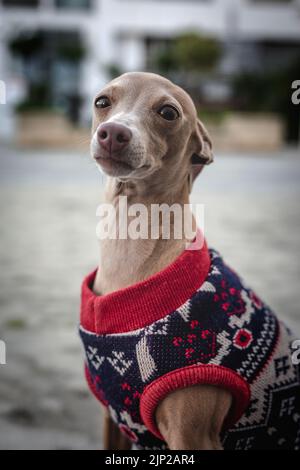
{"x":41,"y":55}
{"x":270,"y":91}
{"x":189,"y":52}
{"x":192,"y":61}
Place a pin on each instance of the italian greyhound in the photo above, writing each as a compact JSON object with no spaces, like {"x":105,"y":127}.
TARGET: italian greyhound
{"x":148,"y":140}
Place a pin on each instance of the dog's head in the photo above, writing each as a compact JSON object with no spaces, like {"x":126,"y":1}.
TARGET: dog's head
{"x":144,"y":124}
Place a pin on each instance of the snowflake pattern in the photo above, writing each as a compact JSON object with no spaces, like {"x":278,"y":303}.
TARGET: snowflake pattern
{"x":223,"y":324}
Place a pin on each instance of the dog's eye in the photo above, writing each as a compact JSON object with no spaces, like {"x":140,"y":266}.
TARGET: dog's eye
{"x":169,"y":113}
{"x":102,"y":102}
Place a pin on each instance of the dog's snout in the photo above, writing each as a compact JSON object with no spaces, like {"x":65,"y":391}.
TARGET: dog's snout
{"x":114,"y":137}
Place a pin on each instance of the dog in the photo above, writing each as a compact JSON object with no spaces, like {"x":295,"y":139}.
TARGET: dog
{"x":181,"y":353}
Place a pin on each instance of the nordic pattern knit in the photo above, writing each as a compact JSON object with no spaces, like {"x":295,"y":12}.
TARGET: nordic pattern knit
{"x":195,"y":322}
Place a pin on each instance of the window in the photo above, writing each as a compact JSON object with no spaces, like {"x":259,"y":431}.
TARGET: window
{"x":21,"y":3}
{"x":73,"y":4}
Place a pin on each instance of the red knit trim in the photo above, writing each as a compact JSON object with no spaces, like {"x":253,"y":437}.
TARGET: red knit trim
{"x":148,"y":301}
{"x":184,"y":377}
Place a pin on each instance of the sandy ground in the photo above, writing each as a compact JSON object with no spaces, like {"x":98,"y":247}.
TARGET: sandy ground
{"x":48,"y":243}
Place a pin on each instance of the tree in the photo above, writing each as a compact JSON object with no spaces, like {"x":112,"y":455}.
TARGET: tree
{"x":193,"y":52}
{"x":189,"y":52}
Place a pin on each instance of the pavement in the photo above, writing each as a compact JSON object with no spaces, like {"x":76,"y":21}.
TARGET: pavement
{"x":48,"y":243}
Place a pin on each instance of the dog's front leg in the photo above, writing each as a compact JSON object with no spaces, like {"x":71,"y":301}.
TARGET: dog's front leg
{"x":192,"y":418}
{"x":113,"y":439}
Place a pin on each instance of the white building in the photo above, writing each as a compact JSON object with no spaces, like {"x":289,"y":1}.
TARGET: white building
{"x":120,"y":33}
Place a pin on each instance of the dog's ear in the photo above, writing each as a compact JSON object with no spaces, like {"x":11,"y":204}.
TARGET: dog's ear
{"x":203,"y":154}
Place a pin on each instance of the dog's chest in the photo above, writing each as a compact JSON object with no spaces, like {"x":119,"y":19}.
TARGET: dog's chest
{"x":223,"y":335}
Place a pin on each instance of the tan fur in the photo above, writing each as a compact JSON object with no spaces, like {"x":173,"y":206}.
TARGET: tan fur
{"x":192,"y":418}
{"x":161,"y":172}
{"x":113,"y":439}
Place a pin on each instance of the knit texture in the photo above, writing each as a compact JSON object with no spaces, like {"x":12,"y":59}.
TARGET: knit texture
{"x":222,"y":334}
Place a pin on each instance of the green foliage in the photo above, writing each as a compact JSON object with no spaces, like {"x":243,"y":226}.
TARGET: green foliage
{"x":26,"y":45}
{"x":165,"y":60}
{"x":213,"y":116}
{"x":113,"y":70}
{"x":38,"y":98}
{"x":190,"y":52}
{"x":194,"y":52}
{"x":71,"y":52}
{"x":16,"y":324}
{"x":270,"y":92}
{"x":267,"y":91}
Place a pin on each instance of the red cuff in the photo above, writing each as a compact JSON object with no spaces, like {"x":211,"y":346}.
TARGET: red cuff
{"x":208,"y":374}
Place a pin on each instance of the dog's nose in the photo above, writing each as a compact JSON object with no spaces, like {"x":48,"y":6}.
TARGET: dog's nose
{"x":114,"y":137}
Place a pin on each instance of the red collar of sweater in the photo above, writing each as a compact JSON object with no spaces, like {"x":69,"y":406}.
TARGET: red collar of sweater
{"x":143,"y":303}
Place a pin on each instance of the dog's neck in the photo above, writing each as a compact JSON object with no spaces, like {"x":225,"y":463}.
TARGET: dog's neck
{"x":124,"y":262}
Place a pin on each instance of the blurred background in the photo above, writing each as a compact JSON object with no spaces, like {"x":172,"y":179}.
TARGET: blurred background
{"x":238,"y":60}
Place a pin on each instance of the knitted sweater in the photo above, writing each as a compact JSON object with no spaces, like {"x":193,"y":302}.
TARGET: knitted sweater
{"x":194,"y":322}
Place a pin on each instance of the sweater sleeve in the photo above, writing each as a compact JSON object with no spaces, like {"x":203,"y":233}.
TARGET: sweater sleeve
{"x":207,"y":374}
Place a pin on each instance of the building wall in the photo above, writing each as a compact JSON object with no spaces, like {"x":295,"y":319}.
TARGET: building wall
{"x":114,"y":31}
